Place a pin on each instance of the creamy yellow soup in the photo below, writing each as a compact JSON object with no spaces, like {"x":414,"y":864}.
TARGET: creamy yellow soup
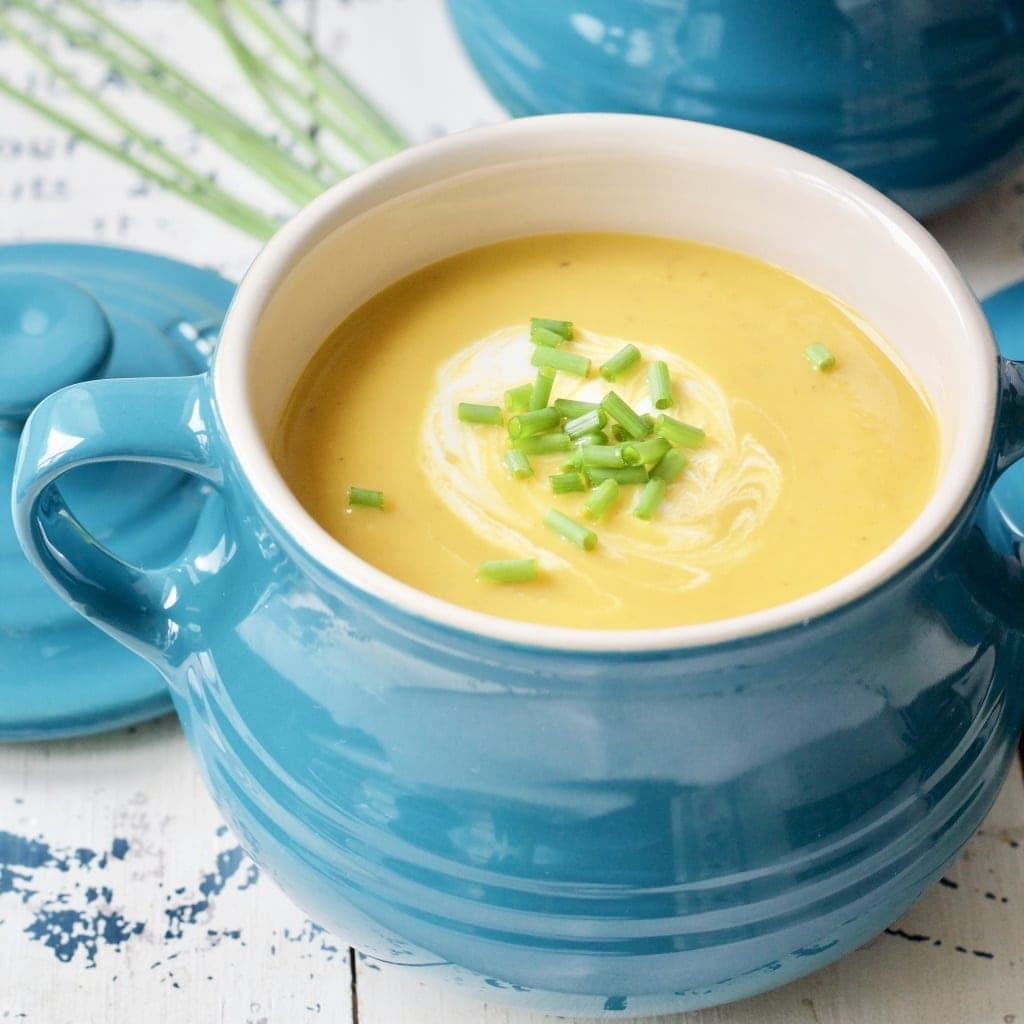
{"x":804,"y":476}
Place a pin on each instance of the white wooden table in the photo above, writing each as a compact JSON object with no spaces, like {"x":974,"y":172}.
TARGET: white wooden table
{"x":123,"y":897}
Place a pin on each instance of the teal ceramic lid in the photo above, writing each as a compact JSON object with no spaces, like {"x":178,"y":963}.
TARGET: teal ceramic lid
{"x":1003,"y":516}
{"x":71,"y":313}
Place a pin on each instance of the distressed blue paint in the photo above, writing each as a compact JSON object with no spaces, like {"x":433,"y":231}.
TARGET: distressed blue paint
{"x":64,"y":929}
{"x":181,"y":916}
{"x":252,"y":876}
{"x":78,"y":933}
{"x":228,"y":863}
{"x":68,"y":932}
{"x":118,"y":849}
{"x":227,"y":866}
{"x":212,"y":884}
{"x":15,"y":882}
{"x":20,"y":851}
{"x":314,"y":935}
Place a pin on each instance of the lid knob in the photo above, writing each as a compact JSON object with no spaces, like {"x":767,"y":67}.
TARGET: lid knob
{"x":52,"y":333}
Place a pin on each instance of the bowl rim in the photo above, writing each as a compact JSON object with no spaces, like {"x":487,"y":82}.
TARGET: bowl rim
{"x":298,"y":236}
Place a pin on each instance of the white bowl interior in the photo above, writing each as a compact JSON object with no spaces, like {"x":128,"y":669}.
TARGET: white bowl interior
{"x":607,"y":173}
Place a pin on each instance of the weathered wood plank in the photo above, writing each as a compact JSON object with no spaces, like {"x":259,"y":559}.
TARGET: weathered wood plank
{"x":121,"y":889}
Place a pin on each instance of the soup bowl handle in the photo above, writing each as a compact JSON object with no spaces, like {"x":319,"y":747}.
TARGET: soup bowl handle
{"x":1010,"y":430}
{"x":166,"y":421}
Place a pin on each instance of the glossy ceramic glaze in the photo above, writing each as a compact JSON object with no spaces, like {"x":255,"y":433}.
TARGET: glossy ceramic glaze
{"x":925,"y":100}
{"x":54,"y":334}
{"x":1003,"y":518}
{"x":590,"y":823}
{"x":69,"y":313}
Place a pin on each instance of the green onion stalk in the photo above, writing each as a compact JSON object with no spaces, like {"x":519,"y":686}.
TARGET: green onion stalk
{"x":510,"y":570}
{"x":325,"y":107}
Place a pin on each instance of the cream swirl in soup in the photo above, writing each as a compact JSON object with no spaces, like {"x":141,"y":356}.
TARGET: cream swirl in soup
{"x":731,"y":483}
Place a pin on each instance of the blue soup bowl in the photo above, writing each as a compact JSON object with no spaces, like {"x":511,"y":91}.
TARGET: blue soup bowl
{"x":620,"y":822}
{"x":924,"y":100}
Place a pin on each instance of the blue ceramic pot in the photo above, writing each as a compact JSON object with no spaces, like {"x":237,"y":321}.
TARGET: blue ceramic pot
{"x":588,"y":822}
{"x":925,"y":100}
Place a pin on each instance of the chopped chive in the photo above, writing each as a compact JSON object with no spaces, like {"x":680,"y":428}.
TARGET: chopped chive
{"x":590,"y":421}
{"x":541,"y":391}
{"x":601,"y":455}
{"x":518,"y":399}
{"x":602,"y":499}
{"x":570,"y":408}
{"x":671,"y":465}
{"x":365,"y":497}
{"x":486,"y":414}
{"x":596,"y":437}
{"x":625,"y":475}
{"x":618,"y":364}
{"x":536,"y":421}
{"x":565,"y":483}
{"x":544,"y":444}
{"x":643,"y":453}
{"x":572,"y":463}
{"x":563,"y":328}
{"x":660,"y":385}
{"x":509,"y":570}
{"x":518,"y":464}
{"x":560,"y":359}
{"x":572,"y":531}
{"x":650,"y":498}
{"x":547,"y":339}
{"x":679,"y":433}
{"x":820,"y":356}
{"x":624,"y":416}
{"x":620,"y":433}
